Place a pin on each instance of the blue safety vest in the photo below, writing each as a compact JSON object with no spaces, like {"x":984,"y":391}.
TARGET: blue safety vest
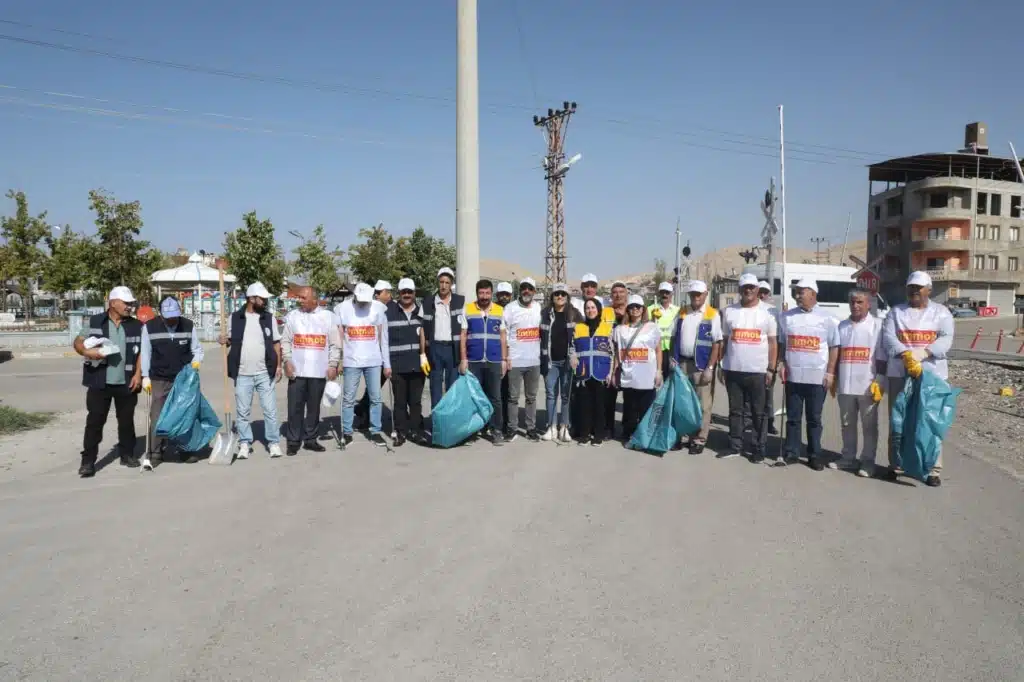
{"x":702,"y":349}
{"x":594,"y":352}
{"x":483,"y":333}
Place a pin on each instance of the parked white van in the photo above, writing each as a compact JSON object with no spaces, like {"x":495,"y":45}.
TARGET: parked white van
{"x":834,"y":285}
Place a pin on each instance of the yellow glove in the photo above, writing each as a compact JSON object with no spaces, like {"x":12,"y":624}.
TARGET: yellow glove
{"x":911,"y":364}
{"x":425,"y":364}
{"x":876,"y":391}
{"x":147,"y":386}
{"x":195,"y":365}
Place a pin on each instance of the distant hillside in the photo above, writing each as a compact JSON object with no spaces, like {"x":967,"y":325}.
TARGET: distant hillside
{"x":499,"y":270}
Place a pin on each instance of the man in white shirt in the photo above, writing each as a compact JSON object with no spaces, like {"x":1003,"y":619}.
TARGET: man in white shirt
{"x":917,"y":336}
{"x":311,"y":352}
{"x":254,"y":362}
{"x":764,"y":293}
{"x":860,"y":376}
{"x":695,"y":345}
{"x":749,"y":358}
{"x":381,"y":298}
{"x":522,"y":329}
{"x":810,"y":336}
{"x":364,"y":333}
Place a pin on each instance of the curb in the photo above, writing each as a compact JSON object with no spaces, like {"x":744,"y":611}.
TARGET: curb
{"x":36,"y":355}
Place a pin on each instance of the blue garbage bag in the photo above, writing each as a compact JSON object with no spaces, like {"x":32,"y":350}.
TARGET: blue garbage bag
{"x":687,"y":415}
{"x":921,"y":417}
{"x":463,"y":411}
{"x":655,"y":433}
{"x":187,"y":419}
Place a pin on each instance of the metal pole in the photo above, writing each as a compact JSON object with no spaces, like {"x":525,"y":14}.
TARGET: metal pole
{"x":782,"y":196}
{"x":849,"y":219}
{"x":676,"y":298}
{"x":467,"y":151}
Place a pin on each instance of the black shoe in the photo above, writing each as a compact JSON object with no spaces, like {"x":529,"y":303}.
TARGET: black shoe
{"x":313,"y":446}
{"x":347,"y":438}
{"x":192,"y":459}
{"x":933,"y":481}
{"x":696,"y":448}
{"x":399,"y":440}
{"x":130,"y":462}
{"x":293,"y":449}
{"x":772,"y":431}
{"x":87,"y":470}
{"x":378,"y":439}
{"x":597,"y":442}
{"x":510,"y":436}
{"x":497,"y":438}
{"x":533,"y":436}
{"x":815,"y":463}
{"x":756,"y":459}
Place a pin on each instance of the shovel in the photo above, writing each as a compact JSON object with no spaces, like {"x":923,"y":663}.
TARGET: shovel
{"x":224,"y":444}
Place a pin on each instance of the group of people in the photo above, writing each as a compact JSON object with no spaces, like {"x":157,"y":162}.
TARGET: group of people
{"x":585,"y":352}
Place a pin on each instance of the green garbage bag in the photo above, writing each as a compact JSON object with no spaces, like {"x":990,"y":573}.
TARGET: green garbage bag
{"x":655,"y":434}
{"x":687,"y":415}
{"x":921,"y":417}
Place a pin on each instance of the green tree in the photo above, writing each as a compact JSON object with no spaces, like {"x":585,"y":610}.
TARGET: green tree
{"x":68,"y":267}
{"x":253,"y":254}
{"x":374,"y":258}
{"x":318,"y":263}
{"x":120,"y":257}
{"x":23,"y":257}
{"x":660,"y":271}
{"x":427,"y":255}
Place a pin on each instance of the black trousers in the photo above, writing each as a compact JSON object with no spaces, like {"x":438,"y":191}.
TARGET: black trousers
{"x":611,"y":396}
{"x":407,"y":412}
{"x":589,"y":405}
{"x":744,"y":388}
{"x":635,"y":403}
{"x":504,"y":403}
{"x":304,"y":395}
{"x":97,"y":402}
{"x":489,"y":376}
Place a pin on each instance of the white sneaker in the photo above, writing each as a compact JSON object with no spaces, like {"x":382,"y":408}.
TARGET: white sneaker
{"x":275,"y":450}
{"x":563,"y":434}
{"x":843,"y":465}
{"x":243,"y":451}
{"x":549,"y":434}
{"x":146,"y":464}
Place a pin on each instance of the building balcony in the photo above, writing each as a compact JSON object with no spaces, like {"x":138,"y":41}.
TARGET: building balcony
{"x":945,"y":213}
{"x":948,"y":274}
{"x":998,"y":276}
{"x":940,"y":245}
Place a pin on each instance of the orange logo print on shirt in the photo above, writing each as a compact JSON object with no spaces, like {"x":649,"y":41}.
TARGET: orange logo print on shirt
{"x":309,"y":341}
{"x":855,"y":354}
{"x":638,"y":354}
{"x":528,"y":334}
{"x":803,"y":344}
{"x":361,"y":333}
{"x":917,"y":337}
{"x":747,"y":336}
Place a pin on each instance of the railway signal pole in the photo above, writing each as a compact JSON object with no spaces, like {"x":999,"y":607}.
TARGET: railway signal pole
{"x":555,"y":168}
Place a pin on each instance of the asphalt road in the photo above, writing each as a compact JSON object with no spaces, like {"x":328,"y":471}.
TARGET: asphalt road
{"x":538,"y":562}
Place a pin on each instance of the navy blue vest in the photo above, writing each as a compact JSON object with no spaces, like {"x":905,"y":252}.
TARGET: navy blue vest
{"x":96,"y":377}
{"x":238,"y":322}
{"x":170,"y":351}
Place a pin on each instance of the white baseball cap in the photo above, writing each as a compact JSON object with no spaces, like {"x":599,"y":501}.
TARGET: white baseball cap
{"x":920,"y":279}
{"x":635,"y":300}
{"x":446,"y":271}
{"x":696,"y":286}
{"x":747,"y":280}
{"x":807,"y":283}
{"x":588,"y":278}
{"x":121,"y":294}
{"x":764,"y":285}
{"x":504,"y":288}
{"x":406,"y":284}
{"x":619,"y":283}
{"x":527,"y":281}
{"x":382,"y":285}
{"x":257,"y":289}
{"x":559,"y":287}
{"x":665,"y":286}
{"x":364,"y":294}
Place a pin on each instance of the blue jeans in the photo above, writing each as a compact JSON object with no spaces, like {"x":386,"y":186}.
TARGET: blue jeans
{"x":443,"y":370}
{"x":352,"y":375}
{"x":264,"y":387}
{"x":557,"y":383}
{"x":798,"y":398}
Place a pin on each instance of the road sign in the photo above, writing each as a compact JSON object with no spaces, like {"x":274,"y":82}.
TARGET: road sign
{"x":865,"y":266}
{"x":868,"y":281}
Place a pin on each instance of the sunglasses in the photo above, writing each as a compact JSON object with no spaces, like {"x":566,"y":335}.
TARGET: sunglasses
{"x":406,"y":291}
{"x":560,"y":293}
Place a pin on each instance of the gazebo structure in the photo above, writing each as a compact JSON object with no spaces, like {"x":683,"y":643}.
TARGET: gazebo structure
{"x":198,"y":289}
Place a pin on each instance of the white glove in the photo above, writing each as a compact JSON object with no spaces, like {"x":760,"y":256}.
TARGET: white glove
{"x":919,"y":354}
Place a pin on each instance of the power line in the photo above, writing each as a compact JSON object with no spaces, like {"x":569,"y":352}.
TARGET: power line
{"x":531,"y":74}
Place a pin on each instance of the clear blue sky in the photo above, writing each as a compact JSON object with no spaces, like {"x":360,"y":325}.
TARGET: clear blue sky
{"x":653,"y":81}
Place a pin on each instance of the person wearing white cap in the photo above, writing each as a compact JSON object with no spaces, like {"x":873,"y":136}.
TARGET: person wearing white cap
{"x":749,"y":357}
{"x":558,"y":322}
{"x":366,"y":356}
{"x":917,"y":336}
{"x":503,"y":293}
{"x":442,"y":327}
{"x":638,"y":361}
{"x":255,"y":363}
{"x":311,"y":351}
{"x":809,"y":336}
{"x":588,"y":289}
{"x":382,"y":298}
{"x":521,"y":319}
{"x":860,"y":378}
{"x":764,"y":292}
{"x":111,"y":374}
{"x":169,"y":344}
{"x":695,"y":346}
{"x":382,"y":292}
{"x":409,"y":364}
{"x":664,"y":313}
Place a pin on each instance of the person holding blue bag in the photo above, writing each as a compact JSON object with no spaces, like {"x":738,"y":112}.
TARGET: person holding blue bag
{"x":696,"y":347}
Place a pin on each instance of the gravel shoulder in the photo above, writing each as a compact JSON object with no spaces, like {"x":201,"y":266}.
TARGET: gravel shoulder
{"x":988,"y":426}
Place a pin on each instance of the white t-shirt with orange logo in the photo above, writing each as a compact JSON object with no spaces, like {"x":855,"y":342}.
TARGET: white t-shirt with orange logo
{"x":907,"y":328}
{"x":746,"y":332}
{"x":640,"y":360}
{"x":807,"y":336}
{"x":365,"y":340}
{"x":522,"y":329}
{"x":859,"y":347}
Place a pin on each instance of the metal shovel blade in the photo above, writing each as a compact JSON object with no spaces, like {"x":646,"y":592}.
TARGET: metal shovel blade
{"x":223,"y":451}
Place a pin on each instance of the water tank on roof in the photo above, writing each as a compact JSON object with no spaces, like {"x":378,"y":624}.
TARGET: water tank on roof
{"x":976,"y":137}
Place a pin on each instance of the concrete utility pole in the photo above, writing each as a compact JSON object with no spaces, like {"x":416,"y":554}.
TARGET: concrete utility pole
{"x":817,"y":248}
{"x":768,"y":234}
{"x":467,"y":151}
{"x":555,"y":167}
